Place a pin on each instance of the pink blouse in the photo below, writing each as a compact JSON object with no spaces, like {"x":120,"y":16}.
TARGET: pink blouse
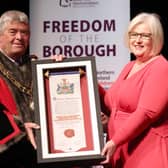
{"x":139,"y":115}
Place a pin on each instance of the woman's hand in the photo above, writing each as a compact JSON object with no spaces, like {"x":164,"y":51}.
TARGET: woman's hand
{"x":104,"y":120}
{"x":108,"y":151}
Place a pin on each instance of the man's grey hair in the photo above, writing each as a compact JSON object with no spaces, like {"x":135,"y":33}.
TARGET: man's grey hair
{"x":12,"y":16}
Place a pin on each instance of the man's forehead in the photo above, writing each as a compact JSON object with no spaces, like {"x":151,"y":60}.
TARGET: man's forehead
{"x":17,"y":25}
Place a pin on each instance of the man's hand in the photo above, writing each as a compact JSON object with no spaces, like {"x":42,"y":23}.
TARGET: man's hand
{"x":58,"y":57}
{"x":29,"y":126}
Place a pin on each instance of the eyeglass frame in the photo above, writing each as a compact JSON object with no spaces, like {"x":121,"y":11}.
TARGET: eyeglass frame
{"x":144,"y":36}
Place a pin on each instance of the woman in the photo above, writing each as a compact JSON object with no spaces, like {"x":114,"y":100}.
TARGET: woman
{"x":138,"y":124}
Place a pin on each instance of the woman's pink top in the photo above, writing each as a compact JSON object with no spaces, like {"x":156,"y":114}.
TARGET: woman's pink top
{"x":139,"y":116}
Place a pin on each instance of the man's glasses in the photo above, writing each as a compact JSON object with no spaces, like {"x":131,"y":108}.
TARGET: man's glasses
{"x":144,"y":36}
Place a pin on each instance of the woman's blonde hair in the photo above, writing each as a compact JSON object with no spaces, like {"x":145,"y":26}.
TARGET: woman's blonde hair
{"x":152,"y":20}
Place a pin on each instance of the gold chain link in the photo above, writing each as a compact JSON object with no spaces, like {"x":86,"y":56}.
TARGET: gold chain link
{"x":21,"y":87}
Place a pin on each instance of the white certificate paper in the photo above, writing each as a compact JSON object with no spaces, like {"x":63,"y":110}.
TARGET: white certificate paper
{"x":67,"y":112}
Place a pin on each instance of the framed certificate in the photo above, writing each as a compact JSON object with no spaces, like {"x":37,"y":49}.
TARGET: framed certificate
{"x":67,"y":108}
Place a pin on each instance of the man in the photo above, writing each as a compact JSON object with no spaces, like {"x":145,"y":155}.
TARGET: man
{"x":17,"y":144}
